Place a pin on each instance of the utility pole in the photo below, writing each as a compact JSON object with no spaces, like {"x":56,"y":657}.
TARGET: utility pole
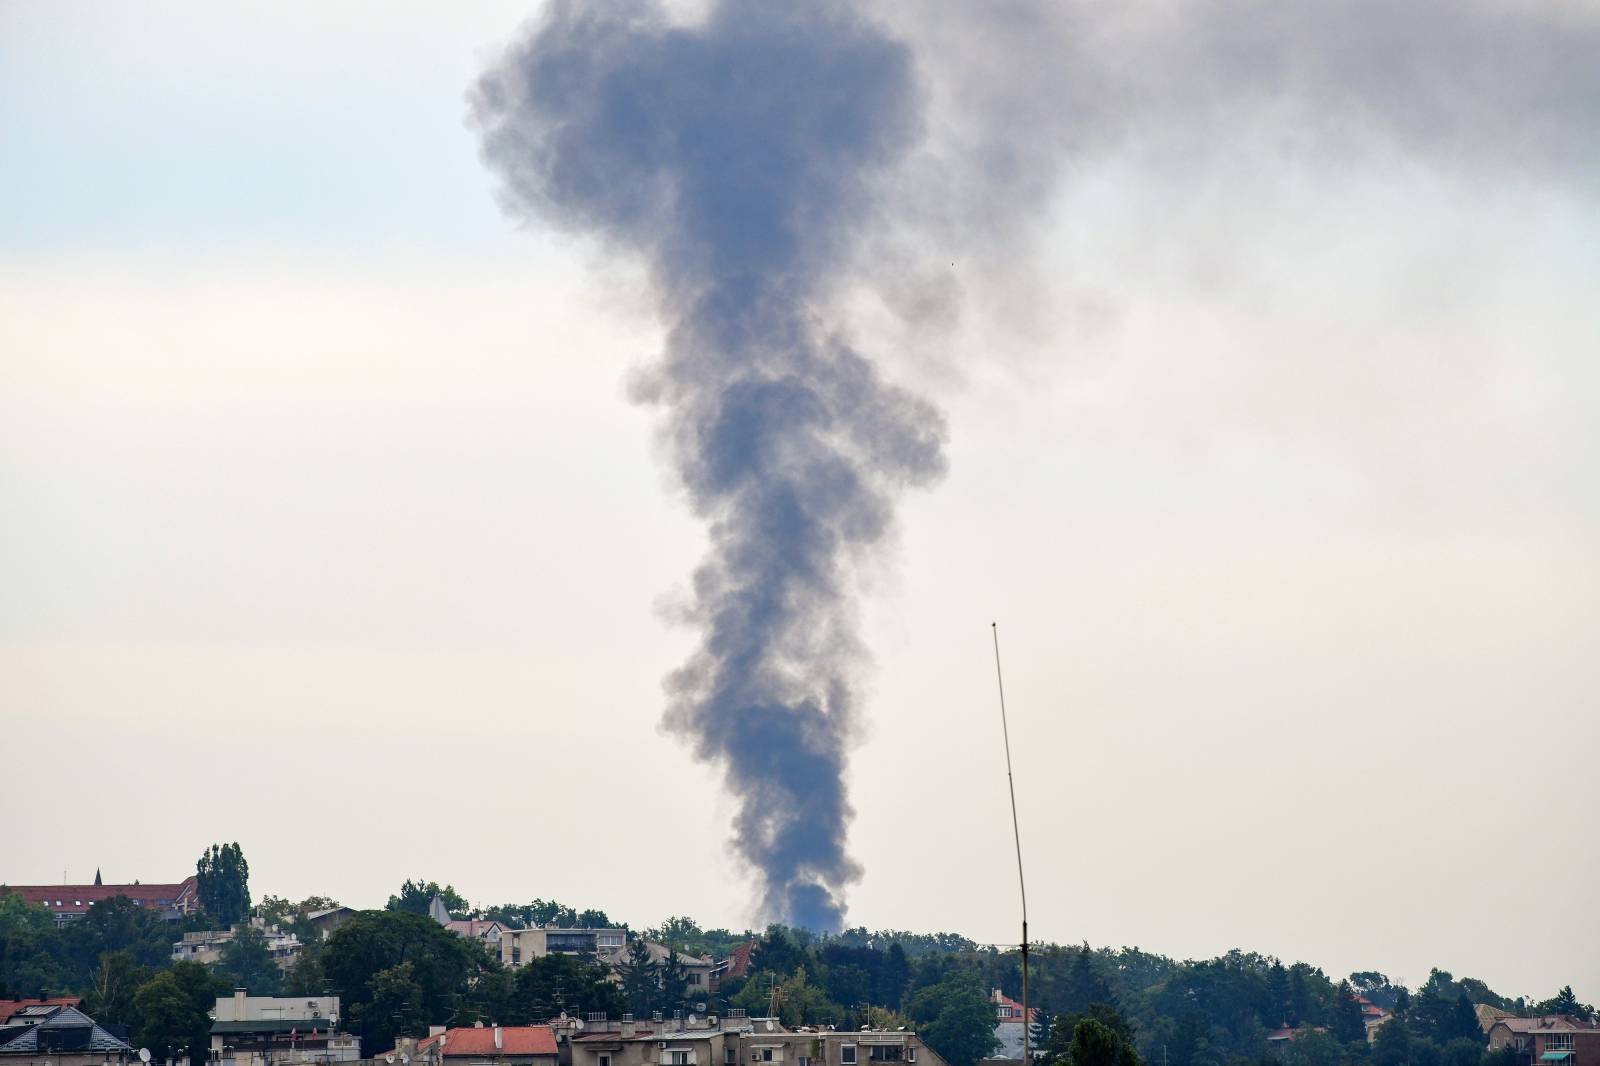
{"x":1005,"y":732}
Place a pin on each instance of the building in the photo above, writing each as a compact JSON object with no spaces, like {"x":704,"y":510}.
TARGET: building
{"x":736,"y":967}
{"x":828,"y":1047}
{"x":325,"y":922}
{"x":68,"y":903}
{"x":10,"y":1007}
{"x":705,"y":1041}
{"x":1008,"y":1026}
{"x":1373,"y":1017}
{"x":519,"y":946}
{"x":518,"y":1045}
{"x":1487,"y":1015}
{"x":207,"y":946}
{"x":276,"y":1030}
{"x":59,"y":1035}
{"x":1553,"y":1040}
{"x":473,"y":929}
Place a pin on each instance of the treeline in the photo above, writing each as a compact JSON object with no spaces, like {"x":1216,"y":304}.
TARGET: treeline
{"x":397,"y":972}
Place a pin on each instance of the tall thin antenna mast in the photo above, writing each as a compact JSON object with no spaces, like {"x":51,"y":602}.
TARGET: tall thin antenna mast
{"x":1016,"y":833}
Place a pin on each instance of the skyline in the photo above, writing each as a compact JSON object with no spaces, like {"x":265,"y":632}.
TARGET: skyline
{"x":1276,"y":472}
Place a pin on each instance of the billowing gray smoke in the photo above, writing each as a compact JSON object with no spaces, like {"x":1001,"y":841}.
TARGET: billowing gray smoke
{"x":740,"y":157}
{"x":744,"y":159}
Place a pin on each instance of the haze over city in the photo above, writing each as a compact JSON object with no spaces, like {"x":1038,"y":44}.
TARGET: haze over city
{"x":342,"y":521}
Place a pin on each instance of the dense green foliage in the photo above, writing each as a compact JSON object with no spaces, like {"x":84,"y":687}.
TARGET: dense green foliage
{"x":224,"y":884}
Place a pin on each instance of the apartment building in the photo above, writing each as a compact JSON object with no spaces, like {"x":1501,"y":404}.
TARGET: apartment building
{"x":830,"y":1047}
{"x":1553,"y":1040}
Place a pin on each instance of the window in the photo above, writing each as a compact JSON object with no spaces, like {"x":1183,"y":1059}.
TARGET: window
{"x":911,"y":1054}
{"x":884,"y":1053}
{"x":605,"y":1060}
{"x":694,"y":979}
{"x":1558,"y":1042}
{"x":766,"y":1054}
{"x":678,"y":1058}
{"x":847,"y":1054}
{"x":729,"y":1055}
{"x":805,"y":1060}
{"x":516,"y":957}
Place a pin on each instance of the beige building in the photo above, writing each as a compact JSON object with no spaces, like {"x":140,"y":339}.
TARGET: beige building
{"x":206,"y":946}
{"x":690,"y":1042}
{"x":829,"y":1047}
{"x":518,"y":946}
{"x":279,"y":1031}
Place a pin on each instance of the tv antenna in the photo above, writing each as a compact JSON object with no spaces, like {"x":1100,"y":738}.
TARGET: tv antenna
{"x":1016,"y":833}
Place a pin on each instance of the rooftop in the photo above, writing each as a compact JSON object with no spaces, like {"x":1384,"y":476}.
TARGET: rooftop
{"x":480,"y":1041}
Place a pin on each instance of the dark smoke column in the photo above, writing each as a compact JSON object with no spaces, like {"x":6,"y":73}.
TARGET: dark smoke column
{"x":741,"y":158}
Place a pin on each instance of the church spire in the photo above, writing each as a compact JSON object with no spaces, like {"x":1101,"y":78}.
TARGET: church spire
{"x":97,"y":875}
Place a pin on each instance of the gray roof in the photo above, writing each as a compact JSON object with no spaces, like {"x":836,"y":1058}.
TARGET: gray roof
{"x":66,"y":1029}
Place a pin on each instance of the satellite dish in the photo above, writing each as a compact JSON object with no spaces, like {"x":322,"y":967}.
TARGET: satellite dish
{"x":769,"y":1025}
{"x":144,"y":1054}
{"x":388,"y":1058}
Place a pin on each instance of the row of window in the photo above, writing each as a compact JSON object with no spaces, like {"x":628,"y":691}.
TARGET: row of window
{"x":847,"y":1055}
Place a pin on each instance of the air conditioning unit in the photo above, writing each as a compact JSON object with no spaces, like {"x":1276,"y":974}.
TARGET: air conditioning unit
{"x":662,"y":1044}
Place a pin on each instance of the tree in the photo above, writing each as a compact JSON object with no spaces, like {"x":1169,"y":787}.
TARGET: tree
{"x":1375,"y":986}
{"x":1565,"y":1002}
{"x":674,"y":982}
{"x":172,"y":1008}
{"x":1038,"y":1029}
{"x":1348,"y":1025}
{"x":893,"y":977}
{"x":640,"y":978}
{"x":416,"y":896}
{"x":1096,"y":1044}
{"x":394,"y":1007}
{"x":224,"y":883}
{"x":1392,"y":1044}
{"x":442,"y":963}
{"x":30,"y":949}
{"x":1085,"y":984}
{"x":116,"y":924}
{"x":112,"y":989}
{"x":548,"y":985}
{"x":955,"y":1018}
{"x":1057,"y":1047}
{"x":306,"y":977}
{"x":247,"y":962}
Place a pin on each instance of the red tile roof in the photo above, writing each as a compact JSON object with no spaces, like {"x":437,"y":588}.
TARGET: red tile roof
{"x":739,"y":961}
{"x":473,"y":927}
{"x":76,"y":899}
{"x":514,"y":1040}
{"x":8,"y":1007}
{"x":1006,"y":1008}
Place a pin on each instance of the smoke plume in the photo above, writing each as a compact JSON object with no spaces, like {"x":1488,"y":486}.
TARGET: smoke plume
{"x":742,"y":157}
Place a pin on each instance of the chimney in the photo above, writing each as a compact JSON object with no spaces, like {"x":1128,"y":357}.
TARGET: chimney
{"x":239,"y":996}
{"x":627,"y":1027}
{"x":499,"y":1042}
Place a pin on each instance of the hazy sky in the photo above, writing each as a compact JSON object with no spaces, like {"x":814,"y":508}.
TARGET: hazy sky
{"x":326,"y":524}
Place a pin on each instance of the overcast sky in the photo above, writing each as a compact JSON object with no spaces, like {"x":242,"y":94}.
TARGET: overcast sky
{"x":328,"y":525}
